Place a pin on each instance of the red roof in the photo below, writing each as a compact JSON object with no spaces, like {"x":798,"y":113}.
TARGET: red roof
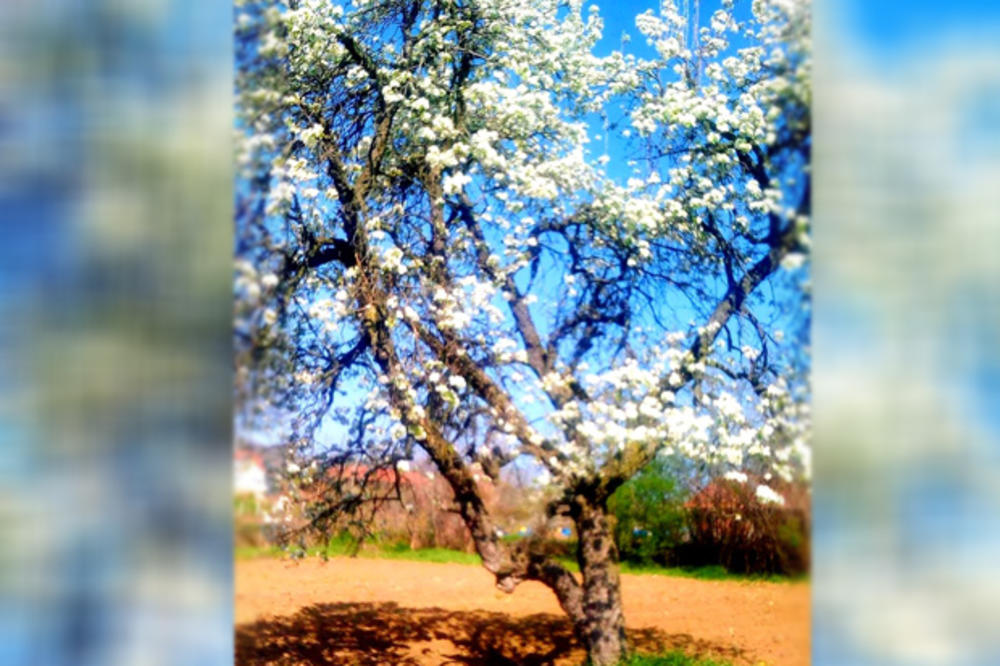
{"x":388,"y":475}
{"x":382,"y":474}
{"x":251,"y":456}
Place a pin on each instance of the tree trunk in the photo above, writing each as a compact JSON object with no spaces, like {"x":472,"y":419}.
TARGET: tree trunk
{"x":602,"y":628}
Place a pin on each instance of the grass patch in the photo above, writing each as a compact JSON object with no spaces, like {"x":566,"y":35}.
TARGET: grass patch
{"x":675,"y":658}
{"x":343,"y":547}
{"x":442,"y":555}
{"x":712,"y":572}
{"x":250,"y":552}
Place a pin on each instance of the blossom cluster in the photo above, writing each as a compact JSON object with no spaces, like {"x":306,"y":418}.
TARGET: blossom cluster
{"x":495,"y":228}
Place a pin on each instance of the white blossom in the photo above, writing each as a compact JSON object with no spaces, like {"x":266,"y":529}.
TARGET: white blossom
{"x":766,"y":495}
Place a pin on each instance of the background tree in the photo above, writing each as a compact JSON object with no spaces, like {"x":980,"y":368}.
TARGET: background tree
{"x":437,"y":255}
{"x":649,"y":516}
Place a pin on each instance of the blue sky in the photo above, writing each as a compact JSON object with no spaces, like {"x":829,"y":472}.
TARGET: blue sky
{"x":890,"y":29}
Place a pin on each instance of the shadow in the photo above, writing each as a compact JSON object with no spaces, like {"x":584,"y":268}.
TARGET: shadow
{"x":369,"y":634}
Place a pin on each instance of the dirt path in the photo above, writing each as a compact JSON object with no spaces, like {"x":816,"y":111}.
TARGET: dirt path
{"x":398,"y":612}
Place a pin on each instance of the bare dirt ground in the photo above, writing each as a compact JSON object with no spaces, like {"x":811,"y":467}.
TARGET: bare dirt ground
{"x":366,"y":612}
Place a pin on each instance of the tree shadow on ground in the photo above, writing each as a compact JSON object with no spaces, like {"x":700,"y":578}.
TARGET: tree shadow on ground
{"x":369,"y":634}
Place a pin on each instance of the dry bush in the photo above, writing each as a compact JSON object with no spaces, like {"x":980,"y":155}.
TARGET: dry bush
{"x":729,"y":525}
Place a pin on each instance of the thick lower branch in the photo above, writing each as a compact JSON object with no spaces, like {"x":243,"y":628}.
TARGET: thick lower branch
{"x":525,"y":562}
{"x":511,"y":564}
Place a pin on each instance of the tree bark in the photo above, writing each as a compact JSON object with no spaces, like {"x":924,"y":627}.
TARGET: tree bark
{"x":602,"y":627}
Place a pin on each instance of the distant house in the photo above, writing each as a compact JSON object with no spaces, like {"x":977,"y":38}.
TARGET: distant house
{"x":249,"y":474}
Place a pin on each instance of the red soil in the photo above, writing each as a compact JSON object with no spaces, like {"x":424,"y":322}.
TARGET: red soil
{"x":360,"y":611}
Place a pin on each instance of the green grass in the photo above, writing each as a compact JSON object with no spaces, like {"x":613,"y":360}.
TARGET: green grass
{"x":671,"y":659}
{"x":712,"y":572}
{"x":250,"y":552}
{"x":342,"y":547}
{"x":404,"y":552}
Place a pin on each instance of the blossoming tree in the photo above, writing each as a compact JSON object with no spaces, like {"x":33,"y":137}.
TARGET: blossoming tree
{"x":463,"y":232}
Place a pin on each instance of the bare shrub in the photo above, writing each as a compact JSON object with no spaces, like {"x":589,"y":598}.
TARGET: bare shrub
{"x":729,"y":525}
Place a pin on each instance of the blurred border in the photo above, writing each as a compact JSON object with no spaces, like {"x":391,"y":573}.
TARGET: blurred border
{"x":906,"y":367}
{"x":115,"y":309}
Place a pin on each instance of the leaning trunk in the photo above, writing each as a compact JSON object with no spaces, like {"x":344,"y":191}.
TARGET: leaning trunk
{"x":602,"y":627}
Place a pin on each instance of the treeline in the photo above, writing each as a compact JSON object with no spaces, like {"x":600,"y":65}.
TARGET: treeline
{"x":725,"y":522}
{"x":658,"y":521}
